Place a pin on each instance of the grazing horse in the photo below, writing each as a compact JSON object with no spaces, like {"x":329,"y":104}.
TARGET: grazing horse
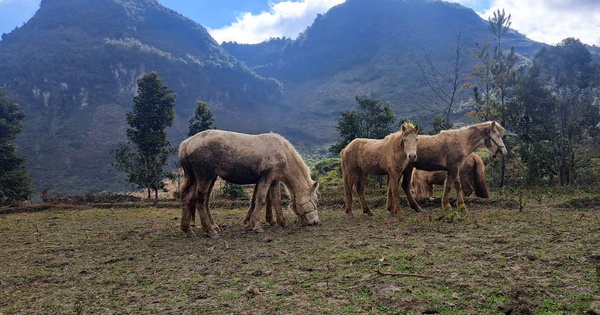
{"x":448,"y":150}
{"x":472,"y":178}
{"x":264,"y":160}
{"x":389,"y":155}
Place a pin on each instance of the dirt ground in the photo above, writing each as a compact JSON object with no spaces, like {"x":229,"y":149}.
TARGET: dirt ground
{"x":539,"y":255}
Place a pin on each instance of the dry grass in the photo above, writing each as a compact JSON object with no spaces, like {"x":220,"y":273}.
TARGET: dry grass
{"x":490,"y":259}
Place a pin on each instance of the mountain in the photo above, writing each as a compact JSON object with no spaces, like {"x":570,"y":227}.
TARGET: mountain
{"x":73,"y":67}
{"x":369,"y":47}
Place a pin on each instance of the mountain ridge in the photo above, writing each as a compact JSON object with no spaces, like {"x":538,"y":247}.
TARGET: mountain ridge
{"x":73,"y":67}
{"x":78,"y":76}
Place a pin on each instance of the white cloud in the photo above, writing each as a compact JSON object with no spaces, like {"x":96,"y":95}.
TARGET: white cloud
{"x":551,"y":21}
{"x":285,"y":18}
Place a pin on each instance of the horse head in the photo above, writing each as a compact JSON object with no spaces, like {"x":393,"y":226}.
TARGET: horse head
{"x":494,"y":142}
{"x":409,"y":140}
{"x":305,"y":206}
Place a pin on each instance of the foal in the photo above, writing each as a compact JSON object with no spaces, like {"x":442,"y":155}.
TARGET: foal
{"x":387,"y":156}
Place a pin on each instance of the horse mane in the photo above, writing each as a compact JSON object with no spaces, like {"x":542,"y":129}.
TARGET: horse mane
{"x":295,"y":156}
{"x":479,"y":126}
{"x":410,"y":127}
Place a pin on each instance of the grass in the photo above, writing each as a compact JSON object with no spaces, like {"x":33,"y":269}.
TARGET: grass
{"x":490,"y":259}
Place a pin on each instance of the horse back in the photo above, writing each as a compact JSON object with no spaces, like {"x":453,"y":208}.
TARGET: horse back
{"x":364,"y":155}
{"x":235,"y":157}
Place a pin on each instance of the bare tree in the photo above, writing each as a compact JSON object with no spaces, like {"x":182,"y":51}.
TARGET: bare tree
{"x":444,"y":81}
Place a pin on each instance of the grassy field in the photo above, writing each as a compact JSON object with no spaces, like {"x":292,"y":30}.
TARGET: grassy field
{"x":538,"y":254}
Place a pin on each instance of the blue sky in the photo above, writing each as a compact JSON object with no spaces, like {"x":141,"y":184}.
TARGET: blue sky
{"x":252,"y":21}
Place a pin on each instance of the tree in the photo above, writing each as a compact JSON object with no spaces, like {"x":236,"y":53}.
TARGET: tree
{"x":202,"y":120}
{"x":560,"y":109}
{"x":496,"y":77}
{"x":148,"y":149}
{"x":444,"y":82}
{"x":15,"y":184}
{"x":499,"y":24}
{"x":372,"y":119}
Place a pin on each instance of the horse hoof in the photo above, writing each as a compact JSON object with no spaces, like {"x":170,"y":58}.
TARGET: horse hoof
{"x":213,"y":235}
{"x":258,"y":230}
{"x":350,"y":214}
{"x":370,"y":214}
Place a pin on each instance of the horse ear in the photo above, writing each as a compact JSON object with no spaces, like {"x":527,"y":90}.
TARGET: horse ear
{"x":403,"y":127}
{"x":417,"y":128}
{"x":315,"y":186}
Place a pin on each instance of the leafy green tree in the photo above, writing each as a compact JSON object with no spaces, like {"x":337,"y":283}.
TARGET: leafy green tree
{"x":560,"y":110}
{"x":202,"y":120}
{"x":372,"y":119}
{"x":15,"y":184}
{"x":148,"y":149}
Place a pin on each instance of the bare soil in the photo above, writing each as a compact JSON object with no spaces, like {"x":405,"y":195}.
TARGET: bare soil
{"x":506,"y":255}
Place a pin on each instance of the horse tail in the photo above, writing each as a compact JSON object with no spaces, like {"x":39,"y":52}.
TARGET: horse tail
{"x":482,"y":190}
{"x":188,"y":188}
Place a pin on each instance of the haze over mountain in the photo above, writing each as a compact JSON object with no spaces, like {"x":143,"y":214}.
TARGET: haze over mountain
{"x":74,"y":65}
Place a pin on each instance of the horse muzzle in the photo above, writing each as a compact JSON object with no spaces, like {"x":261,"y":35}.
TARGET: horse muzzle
{"x":311,"y":218}
{"x":412,"y":158}
{"x":500,"y":152}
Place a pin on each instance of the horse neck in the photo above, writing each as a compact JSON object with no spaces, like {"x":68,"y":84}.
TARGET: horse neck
{"x":296,"y":177}
{"x":475,"y":139}
{"x":395,"y":141}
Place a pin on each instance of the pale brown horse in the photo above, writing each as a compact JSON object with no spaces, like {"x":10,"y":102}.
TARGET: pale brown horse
{"x":389,"y":155}
{"x":472,"y":179}
{"x":264,"y":160}
{"x":448,"y":150}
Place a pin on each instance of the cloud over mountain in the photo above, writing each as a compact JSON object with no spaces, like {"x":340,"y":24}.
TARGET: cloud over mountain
{"x":284,"y":19}
{"x":550,"y":21}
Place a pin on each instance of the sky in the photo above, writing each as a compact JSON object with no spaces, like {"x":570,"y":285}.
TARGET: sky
{"x":253,"y":21}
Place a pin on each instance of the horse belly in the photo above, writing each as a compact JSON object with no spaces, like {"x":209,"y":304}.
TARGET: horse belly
{"x":239,"y":174}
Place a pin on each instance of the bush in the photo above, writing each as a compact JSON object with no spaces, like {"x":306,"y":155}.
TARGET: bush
{"x":232,"y":191}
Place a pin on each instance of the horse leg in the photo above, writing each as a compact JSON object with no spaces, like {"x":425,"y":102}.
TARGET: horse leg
{"x":260,"y":195}
{"x":429,"y":190}
{"x":203,"y":191}
{"x":406,"y":177}
{"x":210,"y":217}
{"x":349,"y":180}
{"x":393,"y":202}
{"x":460,"y":201}
{"x":275,"y":202}
{"x":251,"y":209}
{"x":360,"y":188}
{"x":269,"y":208}
{"x":452,"y":180}
{"x":189,"y":208}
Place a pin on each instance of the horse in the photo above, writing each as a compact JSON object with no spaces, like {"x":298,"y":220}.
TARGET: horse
{"x":447,"y":151}
{"x":389,"y":155}
{"x":263,"y":160}
{"x":472,"y":179}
